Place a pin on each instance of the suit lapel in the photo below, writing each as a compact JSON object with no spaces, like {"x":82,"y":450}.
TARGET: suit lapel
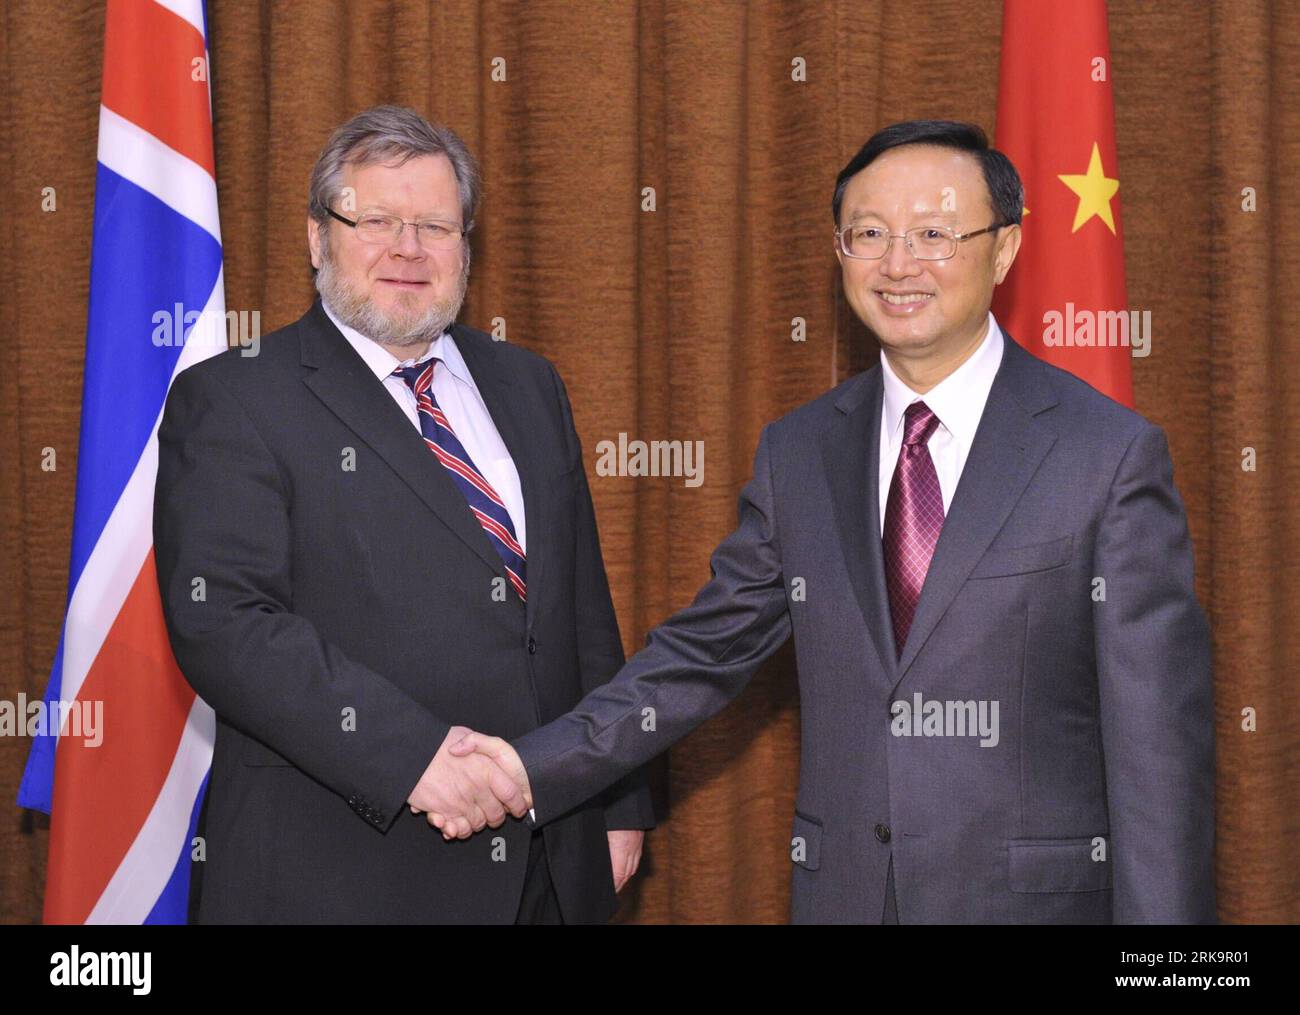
{"x":350,"y":390}
{"x":1008,"y":447}
{"x":504,"y":401}
{"x":851,"y":455}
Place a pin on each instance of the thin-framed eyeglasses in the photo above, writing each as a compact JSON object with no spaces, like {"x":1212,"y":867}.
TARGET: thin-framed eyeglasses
{"x":927,"y":243}
{"x":377,"y":228}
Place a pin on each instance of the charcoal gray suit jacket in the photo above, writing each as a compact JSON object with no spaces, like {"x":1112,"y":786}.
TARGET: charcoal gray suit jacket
{"x":1061,"y":589}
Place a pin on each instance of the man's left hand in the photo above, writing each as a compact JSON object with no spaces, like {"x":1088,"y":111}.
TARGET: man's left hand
{"x":625,"y":854}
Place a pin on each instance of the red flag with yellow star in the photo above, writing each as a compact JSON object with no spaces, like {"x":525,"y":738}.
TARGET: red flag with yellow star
{"x":1065,"y":298}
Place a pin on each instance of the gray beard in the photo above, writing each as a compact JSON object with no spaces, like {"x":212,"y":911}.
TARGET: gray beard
{"x":358,"y":310}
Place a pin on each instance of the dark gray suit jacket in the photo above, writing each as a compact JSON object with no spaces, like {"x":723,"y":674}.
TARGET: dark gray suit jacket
{"x":367,"y":592}
{"x":1096,"y":804}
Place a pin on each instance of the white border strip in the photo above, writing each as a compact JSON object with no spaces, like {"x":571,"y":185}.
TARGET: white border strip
{"x":190,"y":10}
{"x":133,"y":890}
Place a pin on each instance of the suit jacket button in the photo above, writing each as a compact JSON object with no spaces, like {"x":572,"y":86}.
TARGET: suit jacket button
{"x":532,"y":647}
{"x":882,"y":833}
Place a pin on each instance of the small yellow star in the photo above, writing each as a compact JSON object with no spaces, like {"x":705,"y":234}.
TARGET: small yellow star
{"x":1095,"y":191}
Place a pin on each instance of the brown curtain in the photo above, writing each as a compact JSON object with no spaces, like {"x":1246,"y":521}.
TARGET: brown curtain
{"x":676,"y":323}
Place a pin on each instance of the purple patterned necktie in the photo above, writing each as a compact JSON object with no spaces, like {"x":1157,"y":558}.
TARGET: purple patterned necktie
{"x":913,"y":518}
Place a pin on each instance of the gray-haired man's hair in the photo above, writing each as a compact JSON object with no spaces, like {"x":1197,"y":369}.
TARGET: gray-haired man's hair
{"x":391,"y":134}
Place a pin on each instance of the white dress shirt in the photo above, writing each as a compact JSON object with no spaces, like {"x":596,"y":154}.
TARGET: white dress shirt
{"x":458,"y":397}
{"x":958,"y":400}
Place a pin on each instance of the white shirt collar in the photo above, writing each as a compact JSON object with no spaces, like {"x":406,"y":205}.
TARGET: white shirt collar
{"x":382,"y":362}
{"x":958,"y":400}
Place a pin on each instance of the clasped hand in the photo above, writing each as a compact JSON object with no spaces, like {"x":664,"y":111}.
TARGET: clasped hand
{"x":475,"y":780}
{"x":472,"y":783}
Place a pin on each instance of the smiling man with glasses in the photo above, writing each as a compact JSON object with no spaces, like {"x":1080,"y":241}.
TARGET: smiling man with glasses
{"x":1004,"y":674}
{"x":390,"y":521}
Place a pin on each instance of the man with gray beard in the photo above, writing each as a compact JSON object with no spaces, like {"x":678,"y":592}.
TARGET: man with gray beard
{"x":374,"y":536}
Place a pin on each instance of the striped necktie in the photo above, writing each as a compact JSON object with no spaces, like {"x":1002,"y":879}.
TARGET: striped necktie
{"x":487,"y":505}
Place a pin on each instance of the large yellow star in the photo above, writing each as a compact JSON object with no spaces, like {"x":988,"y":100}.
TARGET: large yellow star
{"x":1095,"y":191}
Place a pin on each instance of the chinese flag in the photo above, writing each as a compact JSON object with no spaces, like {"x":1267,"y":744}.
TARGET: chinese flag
{"x":1064,"y":298}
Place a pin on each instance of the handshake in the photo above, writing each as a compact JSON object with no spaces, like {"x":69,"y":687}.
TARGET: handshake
{"x":471,"y":783}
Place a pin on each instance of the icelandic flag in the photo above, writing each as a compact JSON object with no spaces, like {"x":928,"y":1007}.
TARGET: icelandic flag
{"x":124,"y":803}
